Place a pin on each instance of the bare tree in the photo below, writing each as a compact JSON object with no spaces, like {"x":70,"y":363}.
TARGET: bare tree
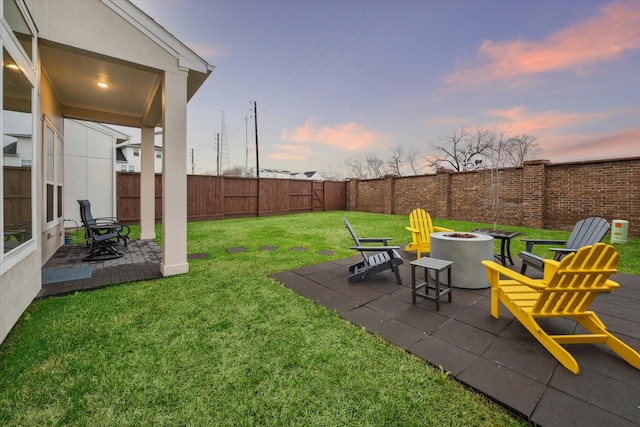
{"x":520,"y":148}
{"x":356,"y":167}
{"x":234,"y":171}
{"x":412,"y":159}
{"x":463,"y":151}
{"x":375,"y":166}
{"x":397,"y":158}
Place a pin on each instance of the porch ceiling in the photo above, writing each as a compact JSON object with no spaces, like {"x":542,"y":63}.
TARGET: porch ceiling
{"x":133,"y":97}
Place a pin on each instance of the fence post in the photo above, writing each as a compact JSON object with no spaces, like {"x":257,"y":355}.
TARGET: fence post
{"x":443,"y":196}
{"x":533,"y":193}
{"x":390,"y":195}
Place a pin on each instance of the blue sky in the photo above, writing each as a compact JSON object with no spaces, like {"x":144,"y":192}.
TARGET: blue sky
{"x":336,"y":79}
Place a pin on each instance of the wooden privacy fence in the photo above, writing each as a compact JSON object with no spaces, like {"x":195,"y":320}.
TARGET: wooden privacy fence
{"x":220,"y":197}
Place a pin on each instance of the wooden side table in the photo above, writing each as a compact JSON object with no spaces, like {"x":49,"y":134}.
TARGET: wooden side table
{"x":439,"y":289}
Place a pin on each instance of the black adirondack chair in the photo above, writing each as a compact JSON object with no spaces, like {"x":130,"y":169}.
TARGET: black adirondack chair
{"x":102,"y":234}
{"x":385,"y":257}
{"x":586,"y":232}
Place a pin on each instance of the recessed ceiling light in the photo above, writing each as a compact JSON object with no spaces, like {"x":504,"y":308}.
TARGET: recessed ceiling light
{"x":103,"y":85}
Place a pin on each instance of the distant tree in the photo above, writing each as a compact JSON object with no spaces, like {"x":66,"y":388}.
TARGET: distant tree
{"x":397,"y":159}
{"x":463,"y":151}
{"x":375,"y":166}
{"x":412,"y":159}
{"x":520,"y":148}
{"x":356,"y":168}
{"x":234,"y":171}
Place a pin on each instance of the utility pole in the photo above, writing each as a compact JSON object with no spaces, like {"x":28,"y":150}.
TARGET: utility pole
{"x":217,"y":154}
{"x":255,"y":117}
{"x":224,"y":147}
{"x":246,"y":145}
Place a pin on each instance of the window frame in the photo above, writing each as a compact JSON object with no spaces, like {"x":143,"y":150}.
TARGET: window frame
{"x":53,"y":175}
{"x":27,"y":63}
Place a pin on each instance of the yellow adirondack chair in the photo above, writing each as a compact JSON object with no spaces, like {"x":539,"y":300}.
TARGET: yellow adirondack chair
{"x":566,"y":290}
{"x":421,"y":227}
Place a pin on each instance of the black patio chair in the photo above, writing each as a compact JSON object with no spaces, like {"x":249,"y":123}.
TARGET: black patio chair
{"x":103,"y":233}
{"x":385,"y":257}
{"x":586,"y":232}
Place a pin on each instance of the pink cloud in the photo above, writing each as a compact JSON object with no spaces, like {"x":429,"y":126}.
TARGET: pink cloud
{"x":606,"y":36}
{"x":348,"y":137}
{"x":520,"y":120}
{"x":568,"y":148}
{"x":290,"y":152}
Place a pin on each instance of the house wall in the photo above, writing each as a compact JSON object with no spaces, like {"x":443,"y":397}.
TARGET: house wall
{"x":20,"y":277}
{"x":89,"y":152}
{"x":136,"y":161}
{"x":51,"y":236}
{"x":539,"y":194}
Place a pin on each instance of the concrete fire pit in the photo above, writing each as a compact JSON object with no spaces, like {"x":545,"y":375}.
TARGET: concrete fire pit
{"x":466,"y":250}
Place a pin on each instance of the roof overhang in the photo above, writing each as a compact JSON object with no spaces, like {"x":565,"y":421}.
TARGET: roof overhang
{"x":133,"y":96}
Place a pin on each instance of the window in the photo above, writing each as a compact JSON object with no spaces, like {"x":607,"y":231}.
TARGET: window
{"x":136,"y":152}
{"x":19,"y":26}
{"x":123,"y":168}
{"x":17,"y":154}
{"x":158,"y":155}
{"x":132,"y":168}
{"x":53,"y":172}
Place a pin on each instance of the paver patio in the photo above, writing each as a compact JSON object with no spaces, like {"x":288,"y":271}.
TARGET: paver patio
{"x":497,"y":357}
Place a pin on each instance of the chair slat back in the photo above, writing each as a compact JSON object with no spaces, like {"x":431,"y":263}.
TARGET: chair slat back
{"x":85,"y":213}
{"x":419,"y":219}
{"x":355,"y":238}
{"x":587,"y":232}
{"x":578,"y":279}
{"x":353,"y":233}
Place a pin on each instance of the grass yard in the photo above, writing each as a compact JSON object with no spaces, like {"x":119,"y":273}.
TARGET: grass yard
{"x":225,"y":345}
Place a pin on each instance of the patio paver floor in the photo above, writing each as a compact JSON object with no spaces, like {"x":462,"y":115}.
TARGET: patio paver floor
{"x":497,"y":357}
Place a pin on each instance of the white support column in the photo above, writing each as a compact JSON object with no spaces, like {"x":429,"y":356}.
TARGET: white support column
{"x":147,"y":185}
{"x":174,"y":175}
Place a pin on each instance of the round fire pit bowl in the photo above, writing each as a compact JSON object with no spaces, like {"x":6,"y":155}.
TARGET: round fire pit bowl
{"x":467,"y":251}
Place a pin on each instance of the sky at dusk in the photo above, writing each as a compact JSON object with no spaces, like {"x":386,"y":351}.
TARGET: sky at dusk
{"x":337,"y":79}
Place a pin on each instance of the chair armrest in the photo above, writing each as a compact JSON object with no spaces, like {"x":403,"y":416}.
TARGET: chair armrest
{"x":441,"y":229}
{"x":413,"y":230}
{"x":510,"y":274}
{"x":531,"y":242}
{"x":375,"y":239}
{"x":374,"y":248}
{"x":563,"y":251}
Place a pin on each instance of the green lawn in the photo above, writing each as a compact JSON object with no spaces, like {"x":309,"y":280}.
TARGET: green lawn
{"x":226,"y":345}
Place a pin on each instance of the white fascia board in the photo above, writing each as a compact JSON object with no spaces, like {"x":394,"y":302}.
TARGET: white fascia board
{"x":187,"y":59}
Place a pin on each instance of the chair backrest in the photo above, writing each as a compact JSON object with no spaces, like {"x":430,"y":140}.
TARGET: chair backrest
{"x":577,"y":279}
{"x":353,"y":233}
{"x":85,"y":213}
{"x":419,"y":219}
{"x":587,"y":232}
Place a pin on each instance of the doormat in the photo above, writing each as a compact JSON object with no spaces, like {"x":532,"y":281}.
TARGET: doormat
{"x":66,"y":274}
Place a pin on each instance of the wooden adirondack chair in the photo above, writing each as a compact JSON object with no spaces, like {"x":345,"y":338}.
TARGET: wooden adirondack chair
{"x":385,"y":257}
{"x":566,"y":290}
{"x":586,"y":232}
{"x":421,"y":227}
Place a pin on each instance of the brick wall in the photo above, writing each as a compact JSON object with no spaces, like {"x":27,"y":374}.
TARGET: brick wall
{"x":538,"y":194}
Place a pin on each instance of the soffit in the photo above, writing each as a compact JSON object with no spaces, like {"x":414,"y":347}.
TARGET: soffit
{"x":133,"y":95}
